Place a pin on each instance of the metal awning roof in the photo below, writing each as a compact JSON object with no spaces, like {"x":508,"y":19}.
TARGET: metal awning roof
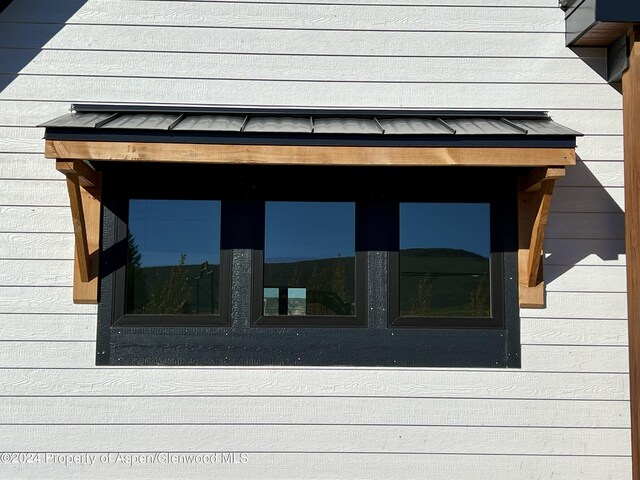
{"x":308,"y":127}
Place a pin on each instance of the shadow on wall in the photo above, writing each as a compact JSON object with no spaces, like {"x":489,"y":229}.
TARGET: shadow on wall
{"x":596,"y":59}
{"x":587,"y":221}
{"x":24,"y":32}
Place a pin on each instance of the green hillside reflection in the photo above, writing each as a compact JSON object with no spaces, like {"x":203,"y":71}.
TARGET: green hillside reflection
{"x":433,"y":282}
{"x":444,"y":282}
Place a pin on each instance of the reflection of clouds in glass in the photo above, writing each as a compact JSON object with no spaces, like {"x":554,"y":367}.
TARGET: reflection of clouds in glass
{"x":462,"y":226}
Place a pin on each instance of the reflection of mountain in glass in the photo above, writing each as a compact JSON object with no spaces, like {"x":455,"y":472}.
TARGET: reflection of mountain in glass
{"x":173,"y":289}
{"x":444,"y":282}
{"x":329,"y":284}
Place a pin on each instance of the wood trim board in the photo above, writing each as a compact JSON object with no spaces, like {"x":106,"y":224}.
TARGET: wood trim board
{"x":308,"y":155}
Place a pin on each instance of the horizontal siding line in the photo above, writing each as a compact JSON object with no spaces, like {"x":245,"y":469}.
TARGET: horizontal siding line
{"x":574,"y":187}
{"x":40,"y":259}
{"x":536,"y":317}
{"x":265,"y":105}
{"x":288,"y":29}
{"x":70,"y":314}
{"x":502,"y":371}
{"x":286,"y":54}
{"x":37,"y":233}
{"x":34,"y":285}
{"x":39,"y":180}
{"x":618,"y":210}
{"x":387,"y":5}
{"x":30,"y":340}
{"x":372,"y":397}
{"x":524,"y":317}
{"x":21,"y":179}
{"x":310,"y":424}
{"x":544,"y":345}
{"x":368,"y":397}
{"x":325,"y":452}
{"x":608,"y":239}
{"x":6,"y":152}
{"x":280,"y":29}
{"x":356,"y":4}
{"x":310,"y":80}
{"x":539,"y":372}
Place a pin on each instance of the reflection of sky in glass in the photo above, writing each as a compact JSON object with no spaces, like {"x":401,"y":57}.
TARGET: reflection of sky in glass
{"x":309,"y":230}
{"x":165,"y":229}
{"x":463,"y":226}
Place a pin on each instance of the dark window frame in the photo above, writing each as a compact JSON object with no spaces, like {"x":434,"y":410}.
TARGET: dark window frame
{"x":242,"y":190}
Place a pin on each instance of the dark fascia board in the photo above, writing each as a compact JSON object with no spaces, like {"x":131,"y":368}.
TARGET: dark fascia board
{"x":583,"y":15}
{"x":351,"y":140}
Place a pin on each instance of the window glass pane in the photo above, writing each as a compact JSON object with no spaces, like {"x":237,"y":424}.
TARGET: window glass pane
{"x":444,"y":259}
{"x":309,"y":258}
{"x":174,"y":257}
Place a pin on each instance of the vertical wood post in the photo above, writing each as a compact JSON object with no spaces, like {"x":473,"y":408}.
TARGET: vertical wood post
{"x":631,"y":101}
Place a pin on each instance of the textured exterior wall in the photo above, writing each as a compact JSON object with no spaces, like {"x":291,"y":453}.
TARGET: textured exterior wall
{"x":563,"y":415}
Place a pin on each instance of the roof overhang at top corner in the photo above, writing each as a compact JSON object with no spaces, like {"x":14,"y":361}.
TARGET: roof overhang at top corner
{"x":309,"y":136}
{"x":598,"y":23}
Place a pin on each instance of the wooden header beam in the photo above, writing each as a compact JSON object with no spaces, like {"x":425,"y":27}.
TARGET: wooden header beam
{"x":309,"y":155}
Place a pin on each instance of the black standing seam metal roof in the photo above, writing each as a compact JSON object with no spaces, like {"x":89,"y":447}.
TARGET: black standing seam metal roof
{"x":311,"y":127}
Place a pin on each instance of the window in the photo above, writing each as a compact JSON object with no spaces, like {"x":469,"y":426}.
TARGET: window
{"x":449,"y":266}
{"x":173,"y":261}
{"x":282,"y":265}
{"x":309,"y":266}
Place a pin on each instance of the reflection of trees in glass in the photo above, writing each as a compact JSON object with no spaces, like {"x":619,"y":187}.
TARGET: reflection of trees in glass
{"x":444,"y":282}
{"x":174,"y":295}
{"x":421,"y":303}
{"x":340,"y":281}
{"x":479,"y":301}
{"x":136,"y":285}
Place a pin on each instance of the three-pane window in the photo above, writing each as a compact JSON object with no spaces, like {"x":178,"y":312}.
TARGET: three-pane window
{"x":234,"y":270}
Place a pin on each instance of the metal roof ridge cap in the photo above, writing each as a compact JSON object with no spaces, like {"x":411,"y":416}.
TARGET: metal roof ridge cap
{"x":303,"y":111}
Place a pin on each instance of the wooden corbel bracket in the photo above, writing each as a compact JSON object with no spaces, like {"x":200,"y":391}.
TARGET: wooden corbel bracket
{"x":84,"y":184}
{"x":534,"y":201}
